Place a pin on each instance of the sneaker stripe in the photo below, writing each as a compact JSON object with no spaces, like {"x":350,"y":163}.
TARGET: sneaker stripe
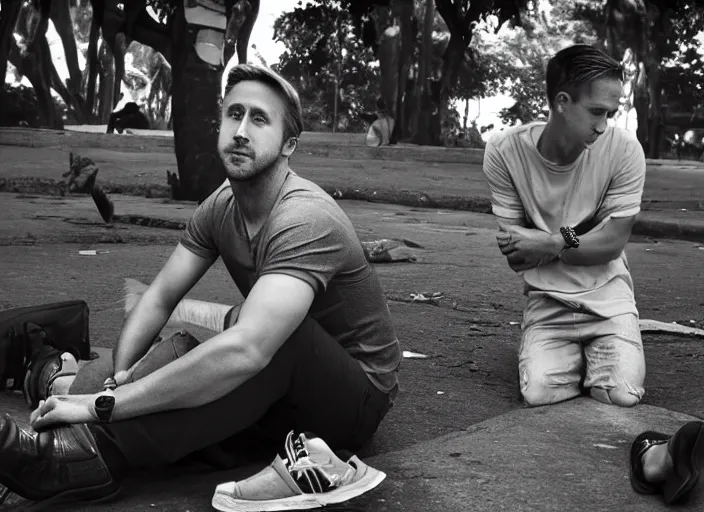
{"x":310,"y":478}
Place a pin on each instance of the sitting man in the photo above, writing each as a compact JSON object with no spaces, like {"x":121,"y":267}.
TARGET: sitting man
{"x":129,"y":116}
{"x":312,"y":347}
{"x":382,"y":127}
{"x":566,"y":194}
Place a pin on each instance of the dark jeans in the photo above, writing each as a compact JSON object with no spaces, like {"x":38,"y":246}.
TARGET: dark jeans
{"x":311,"y":384}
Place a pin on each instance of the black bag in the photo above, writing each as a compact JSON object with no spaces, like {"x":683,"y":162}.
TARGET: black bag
{"x":62,"y":325}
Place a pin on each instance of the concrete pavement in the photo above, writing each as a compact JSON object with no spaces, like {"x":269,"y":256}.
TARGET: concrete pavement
{"x":571,"y":456}
{"x":457,"y":440}
{"x":673,"y":200}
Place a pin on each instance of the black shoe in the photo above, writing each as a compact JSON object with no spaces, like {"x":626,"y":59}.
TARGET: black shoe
{"x":59,"y":464}
{"x":43,"y":369}
{"x":686,"y":448}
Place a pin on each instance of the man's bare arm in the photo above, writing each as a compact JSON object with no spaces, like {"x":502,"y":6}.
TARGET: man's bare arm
{"x":180,"y":273}
{"x":602,"y":244}
{"x":273,"y":310}
{"x":504,"y":224}
{"x":505,"y":221}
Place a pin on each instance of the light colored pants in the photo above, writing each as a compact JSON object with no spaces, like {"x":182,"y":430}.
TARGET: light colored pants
{"x":563,"y":350}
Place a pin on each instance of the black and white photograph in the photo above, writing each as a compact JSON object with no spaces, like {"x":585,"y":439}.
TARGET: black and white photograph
{"x":352,"y":255}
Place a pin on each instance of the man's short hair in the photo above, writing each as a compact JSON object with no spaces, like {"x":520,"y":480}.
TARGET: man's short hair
{"x":576,"y":66}
{"x":293,"y":120}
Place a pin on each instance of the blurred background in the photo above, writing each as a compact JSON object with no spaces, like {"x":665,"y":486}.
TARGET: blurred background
{"x":448,"y":72}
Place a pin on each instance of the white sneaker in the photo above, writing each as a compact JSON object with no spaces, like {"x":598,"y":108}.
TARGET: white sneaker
{"x":311,"y":476}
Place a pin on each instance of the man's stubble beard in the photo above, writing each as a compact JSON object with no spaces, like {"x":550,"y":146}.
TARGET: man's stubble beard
{"x":261,"y":172}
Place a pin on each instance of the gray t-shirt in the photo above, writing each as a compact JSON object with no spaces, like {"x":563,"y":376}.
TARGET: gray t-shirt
{"x":308,"y":236}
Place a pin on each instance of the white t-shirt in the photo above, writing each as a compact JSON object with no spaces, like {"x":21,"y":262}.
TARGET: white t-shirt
{"x":606,"y":181}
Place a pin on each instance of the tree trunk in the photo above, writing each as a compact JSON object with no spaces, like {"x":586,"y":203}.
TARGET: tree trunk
{"x":655,"y":121}
{"x":403,"y":12}
{"x":195,"y":113}
{"x":466,"y":116}
{"x":99,"y":95}
{"x":655,"y":42}
{"x":338,"y":72}
{"x":61,"y":16}
{"x":107,"y":84}
{"x":8,"y":19}
{"x":388,"y":54}
{"x":72,"y":105}
{"x":92,"y":65}
{"x":35,"y":63}
{"x":420,"y":131}
{"x":30,"y":66}
{"x":335,"y":105}
{"x":451,"y":62}
{"x":641,"y":102}
{"x":118,"y":49}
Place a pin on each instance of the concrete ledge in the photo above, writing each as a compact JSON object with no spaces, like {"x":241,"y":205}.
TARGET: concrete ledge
{"x":340,"y":146}
{"x":569,"y":456}
{"x":346,"y":146}
{"x":649,"y":223}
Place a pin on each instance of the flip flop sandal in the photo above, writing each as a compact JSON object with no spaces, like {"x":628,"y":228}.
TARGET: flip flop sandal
{"x":687,"y":451}
{"x":639,"y":446}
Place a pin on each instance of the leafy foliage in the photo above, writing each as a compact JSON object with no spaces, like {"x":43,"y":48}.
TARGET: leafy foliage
{"x":516,"y":57}
{"x":162,"y":8}
{"x":20,"y":107}
{"x":476,"y":73}
{"x":683,"y":70}
{"x":82,"y":18}
{"x":323,"y":57}
{"x":683,"y":86}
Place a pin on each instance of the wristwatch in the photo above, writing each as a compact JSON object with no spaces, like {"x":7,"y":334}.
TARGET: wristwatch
{"x":104,"y":405}
{"x":571,"y":239}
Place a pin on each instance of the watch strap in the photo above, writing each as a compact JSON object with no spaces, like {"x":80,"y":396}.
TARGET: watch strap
{"x":570,"y":237}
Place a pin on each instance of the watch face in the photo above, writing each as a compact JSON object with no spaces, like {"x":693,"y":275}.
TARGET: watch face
{"x":104,"y":405}
{"x":105,"y":402}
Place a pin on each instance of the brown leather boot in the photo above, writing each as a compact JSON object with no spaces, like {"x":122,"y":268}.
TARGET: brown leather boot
{"x":59,"y":464}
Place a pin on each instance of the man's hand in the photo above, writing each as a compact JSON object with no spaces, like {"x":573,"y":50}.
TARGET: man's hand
{"x":528,"y":248}
{"x":124,"y":377}
{"x":63,"y":409}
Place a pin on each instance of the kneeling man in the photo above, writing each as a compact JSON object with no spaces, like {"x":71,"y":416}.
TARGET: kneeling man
{"x":566,"y":194}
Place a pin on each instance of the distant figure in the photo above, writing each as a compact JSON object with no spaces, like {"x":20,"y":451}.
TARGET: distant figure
{"x":129,"y":116}
{"x":175,"y":184}
{"x":381,"y":129}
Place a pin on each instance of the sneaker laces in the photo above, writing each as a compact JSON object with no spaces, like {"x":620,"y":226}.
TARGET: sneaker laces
{"x":313,"y":476}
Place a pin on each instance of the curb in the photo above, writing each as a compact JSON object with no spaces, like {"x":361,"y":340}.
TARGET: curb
{"x":645,"y":227}
{"x":347,"y":146}
{"x":326,"y":145}
{"x":647,"y":224}
{"x":669,"y":229}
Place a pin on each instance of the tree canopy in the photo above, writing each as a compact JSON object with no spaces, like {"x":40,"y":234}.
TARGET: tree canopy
{"x":342,"y":55}
{"x":324,"y":61}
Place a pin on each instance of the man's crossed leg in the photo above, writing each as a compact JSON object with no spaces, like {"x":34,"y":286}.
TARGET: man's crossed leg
{"x":311,"y":384}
